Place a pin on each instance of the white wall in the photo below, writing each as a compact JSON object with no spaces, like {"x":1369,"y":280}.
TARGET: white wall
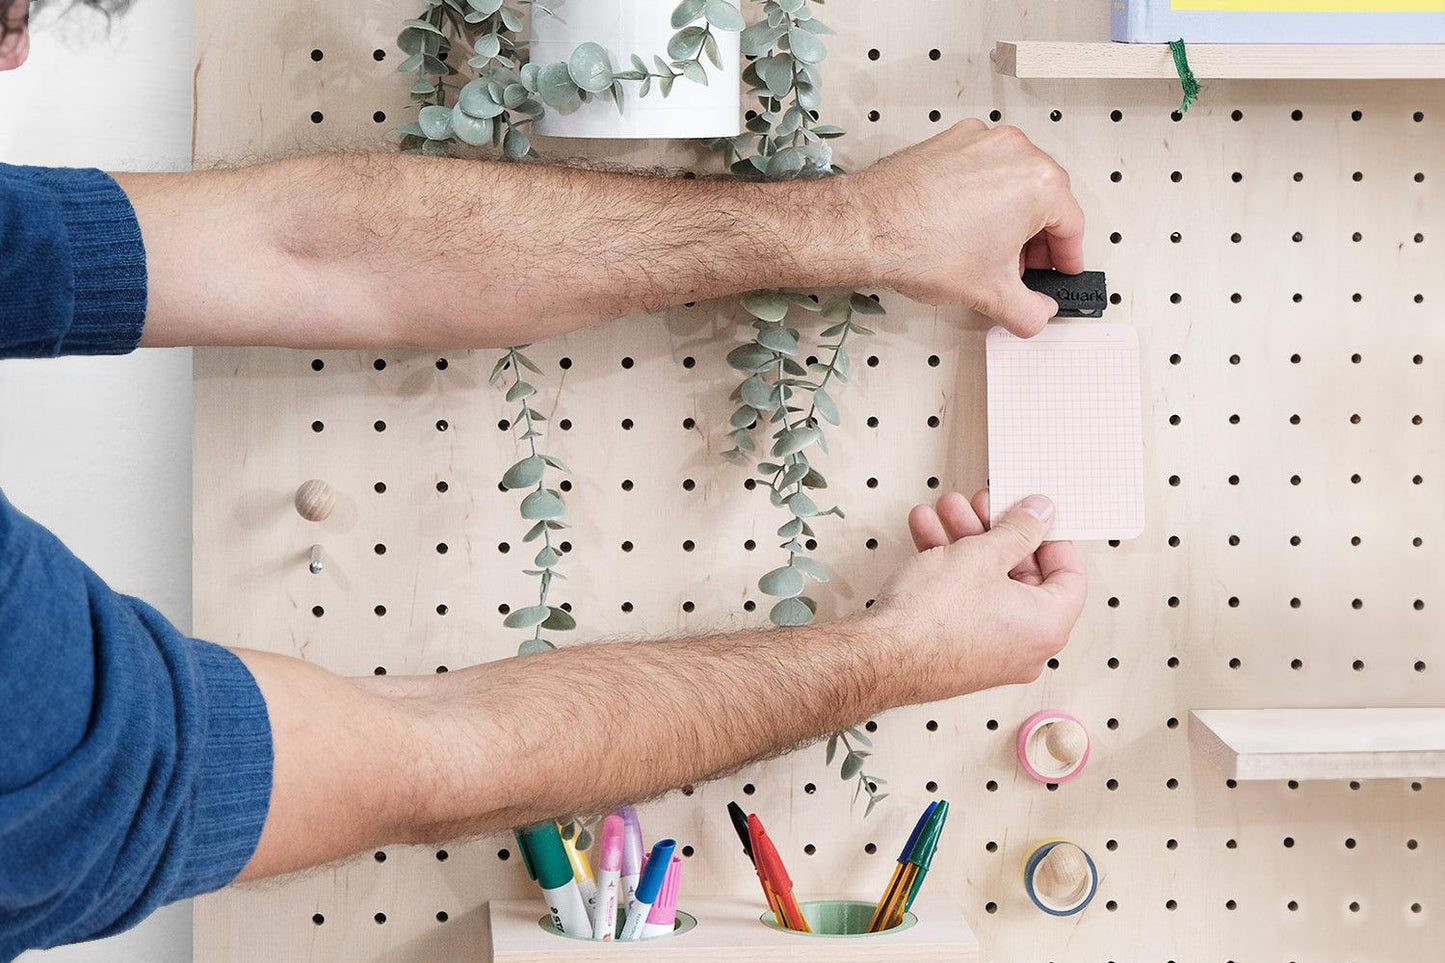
{"x":99,"y":449}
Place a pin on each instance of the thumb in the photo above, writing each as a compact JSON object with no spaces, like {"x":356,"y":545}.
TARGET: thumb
{"x":1019,"y":532}
{"x":1021,"y":311}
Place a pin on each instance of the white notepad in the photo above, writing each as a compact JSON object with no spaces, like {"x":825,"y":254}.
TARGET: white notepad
{"x":1064,"y":421}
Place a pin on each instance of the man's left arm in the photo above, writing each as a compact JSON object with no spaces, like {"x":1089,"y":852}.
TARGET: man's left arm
{"x":382,"y":249}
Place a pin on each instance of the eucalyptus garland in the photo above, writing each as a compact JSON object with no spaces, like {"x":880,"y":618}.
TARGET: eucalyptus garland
{"x":787,"y":385}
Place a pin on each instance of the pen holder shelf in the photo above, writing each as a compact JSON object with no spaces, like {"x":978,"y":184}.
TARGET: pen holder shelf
{"x":732,"y":930}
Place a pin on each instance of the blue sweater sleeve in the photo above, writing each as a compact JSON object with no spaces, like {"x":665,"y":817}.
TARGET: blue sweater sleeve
{"x":135,"y":763}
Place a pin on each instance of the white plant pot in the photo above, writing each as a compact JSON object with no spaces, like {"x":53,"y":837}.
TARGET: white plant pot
{"x":643,"y":27}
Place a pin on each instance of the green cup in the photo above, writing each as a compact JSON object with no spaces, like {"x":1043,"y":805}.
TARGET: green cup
{"x":839,"y":917}
{"x":684,"y":922}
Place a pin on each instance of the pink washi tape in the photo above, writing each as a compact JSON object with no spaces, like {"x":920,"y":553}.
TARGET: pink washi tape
{"x":1053,"y":746}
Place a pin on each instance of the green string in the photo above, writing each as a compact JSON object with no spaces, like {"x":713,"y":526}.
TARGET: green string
{"x":1186,"y":76}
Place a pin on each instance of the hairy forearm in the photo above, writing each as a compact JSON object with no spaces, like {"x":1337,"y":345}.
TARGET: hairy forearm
{"x":366,"y":762}
{"x":362,"y":250}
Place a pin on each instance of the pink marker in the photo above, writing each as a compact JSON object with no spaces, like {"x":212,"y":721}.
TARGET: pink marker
{"x":609,"y":875}
{"x":632,"y":855}
{"x":662,"y":918}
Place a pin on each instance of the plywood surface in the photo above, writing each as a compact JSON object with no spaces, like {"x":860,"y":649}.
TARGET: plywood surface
{"x":1322,"y":743}
{"x":1293,"y":395}
{"x":1221,"y":61}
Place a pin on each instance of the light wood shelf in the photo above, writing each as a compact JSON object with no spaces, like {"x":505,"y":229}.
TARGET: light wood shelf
{"x":1322,"y":743}
{"x":1213,"y":61}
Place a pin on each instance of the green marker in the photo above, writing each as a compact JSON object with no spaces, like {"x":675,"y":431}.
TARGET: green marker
{"x":922,"y":856}
{"x":545,"y":855}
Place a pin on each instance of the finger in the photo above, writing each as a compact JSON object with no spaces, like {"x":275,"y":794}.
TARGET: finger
{"x":1021,"y":311}
{"x":958,"y":517}
{"x":1018,"y":533}
{"x":1036,"y":252}
{"x":1063,"y":571}
{"x":1027,"y":571}
{"x":926,"y":529}
{"x":979,"y":501}
{"x":1064,"y":233}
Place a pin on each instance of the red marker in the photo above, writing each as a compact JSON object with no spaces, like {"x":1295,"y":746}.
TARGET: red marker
{"x":775,"y":877}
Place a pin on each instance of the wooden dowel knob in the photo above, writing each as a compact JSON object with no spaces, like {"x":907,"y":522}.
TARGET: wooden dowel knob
{"x":1066,"y":741}
{"x":315,"y":500}
{"x":1060,"y":878}
{"x":1062,"y":874}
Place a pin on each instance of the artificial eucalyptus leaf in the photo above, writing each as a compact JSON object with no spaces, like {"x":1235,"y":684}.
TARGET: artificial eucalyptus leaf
{"x":779,"y":340}
{"x":760,"y":37}
{"x":590,"y":67}
{"x":526,"y":618}
{"x":485,"y":7}
{"x":860,"y":736}
{"x":709,"y":47}
{"x":535,"y":532}
{"x":828,"y":130}
{"x":812,"y":568}
{"x":560,"y":620}
{"x":515,"y":145}
{"x":723,"y":15}
{"x":744,"y":417}
{"x":555,"y":86}
{"x":806,"y":46}
{"x":503,"y":363}
{"x":863,"y":304}
{"x":814,"y":25}
{"x":873,"y":800}
{"x":757,"y":393}
{"x":547,"y":557}
{"x":801,"y":505}
{"x":686,"y":12}
{"x":791,"y":612}
{"x":488,"y":46}
{"x":765,"y":305}
{"x":514,"y":96}
{"x":749,"y":357}
{"x":784,"y":581}
{"x":511,"y":19}
{"x":686,"y":43}
{"x":520,"y":389}
{"x":475,"y":99}
{"x":436,"y":122}
{"x":542,"y":505}
{"x":852,"y":764}
{"x":791,"y":527}
{"x":525,"y":473}
{"x":424,"y":26}
{"x":814,"y":479}
{"x":695,"y":72}
{"x":795,"y":439}
{"x":529,"y":76}
{"x":535,"y":646}
{"x":777,"y":73}
{"x":826,"y":406}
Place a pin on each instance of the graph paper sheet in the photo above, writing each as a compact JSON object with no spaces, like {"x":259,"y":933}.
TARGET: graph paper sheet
{"x":1064,"y":421}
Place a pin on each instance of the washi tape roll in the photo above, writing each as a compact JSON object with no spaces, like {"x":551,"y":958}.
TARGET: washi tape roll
{"x":1053,"y":746}
{"x":1060,"y":878}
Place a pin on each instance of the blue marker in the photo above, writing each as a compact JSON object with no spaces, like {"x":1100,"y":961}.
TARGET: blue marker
{"x":647,"y":887}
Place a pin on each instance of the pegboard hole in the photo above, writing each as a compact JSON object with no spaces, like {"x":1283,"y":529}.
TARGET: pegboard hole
{"x":380,"y":918}
{"x":1111,"y":845}
{"x":442,"y":609}
{"x":317,"y":364}
{"x":318,"y":427}
{"x":1111,"y":905}
{"x":991,"y":846}
{"x":931,"y":725}
{"x":990,"y":907}
{"x":1111,"y":784}
{"x":379,"y":856}
{"x":930,"y":786}
{"x":378,"y":55}
{"x":317,"y":918}
{"x":809,"y":849}
{"x":1172,"y":722}
{"x":995,"y":115}
{"x":317,"y":117}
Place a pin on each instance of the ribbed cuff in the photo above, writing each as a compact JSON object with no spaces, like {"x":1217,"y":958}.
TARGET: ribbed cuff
{"x":107,"y":257}
{"x":233,"y":786}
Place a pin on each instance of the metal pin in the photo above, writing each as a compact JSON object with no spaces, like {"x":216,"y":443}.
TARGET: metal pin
{"x":315,"y":564}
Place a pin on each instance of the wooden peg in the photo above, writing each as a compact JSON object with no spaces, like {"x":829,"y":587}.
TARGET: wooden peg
{"x":315,"y":500}
{"x":1066,"y":741}
{"x":1063,"y":875}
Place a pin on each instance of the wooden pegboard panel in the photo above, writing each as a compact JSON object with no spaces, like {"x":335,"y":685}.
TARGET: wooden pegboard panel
{"x":1293,"y":397}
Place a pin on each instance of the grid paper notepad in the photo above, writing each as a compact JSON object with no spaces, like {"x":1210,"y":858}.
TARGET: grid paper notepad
{"x":1064,"y":421}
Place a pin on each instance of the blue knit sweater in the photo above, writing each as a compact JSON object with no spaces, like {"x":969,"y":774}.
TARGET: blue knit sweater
{"x":135,"y":763}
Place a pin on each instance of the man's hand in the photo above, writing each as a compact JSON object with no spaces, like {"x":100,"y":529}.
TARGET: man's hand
{"x":995,"y":602}
{"x":957,"y":218}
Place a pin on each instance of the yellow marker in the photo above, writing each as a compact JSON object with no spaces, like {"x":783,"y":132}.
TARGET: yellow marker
{"x":581,"y":869}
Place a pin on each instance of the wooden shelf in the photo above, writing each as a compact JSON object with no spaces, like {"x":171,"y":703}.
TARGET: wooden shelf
{"x":1216,"y":61}
{"x":1322,"y":743}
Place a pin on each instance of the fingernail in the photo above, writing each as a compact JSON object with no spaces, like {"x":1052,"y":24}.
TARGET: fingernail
{"x":1039,"y":507}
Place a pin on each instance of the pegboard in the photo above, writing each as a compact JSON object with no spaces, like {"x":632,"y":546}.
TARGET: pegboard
{"x":1278,"y":250}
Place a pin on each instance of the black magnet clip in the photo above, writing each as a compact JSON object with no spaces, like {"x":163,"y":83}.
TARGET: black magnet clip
{"x":1082,"y":295}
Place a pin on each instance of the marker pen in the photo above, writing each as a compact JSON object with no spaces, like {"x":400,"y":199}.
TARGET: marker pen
{"x":581,"y":869}
{"x":609,"y":866}
{"x":548,"y":857}
{"x":662,"y":918}
{"x":631,"y":855}
{"x":647,"y":888}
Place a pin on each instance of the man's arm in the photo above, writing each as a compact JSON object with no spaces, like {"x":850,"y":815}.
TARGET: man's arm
{"x":365,"y":250}
{"x":365,"y":762}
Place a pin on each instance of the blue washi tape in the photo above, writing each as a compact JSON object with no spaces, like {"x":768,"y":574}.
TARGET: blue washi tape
{"x":1032,"y":864}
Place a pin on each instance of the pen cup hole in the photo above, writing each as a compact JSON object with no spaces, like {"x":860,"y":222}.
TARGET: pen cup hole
{"x":683,"y":923}
{"x":838,"y":917}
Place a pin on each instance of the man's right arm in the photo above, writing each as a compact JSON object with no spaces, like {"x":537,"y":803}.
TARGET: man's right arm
{"x":365,"y":762}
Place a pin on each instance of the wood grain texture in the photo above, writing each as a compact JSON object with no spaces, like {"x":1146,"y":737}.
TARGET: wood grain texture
{"x":1322,"y":743}
{"x":1250,"y":383}
{"x":1219,"y":61}
{"x":728,"y":930}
